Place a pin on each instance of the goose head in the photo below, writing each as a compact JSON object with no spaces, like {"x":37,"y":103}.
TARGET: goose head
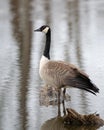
{"x":44,"y":28}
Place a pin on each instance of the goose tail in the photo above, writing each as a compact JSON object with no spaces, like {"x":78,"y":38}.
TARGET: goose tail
{"x":84,"y":83}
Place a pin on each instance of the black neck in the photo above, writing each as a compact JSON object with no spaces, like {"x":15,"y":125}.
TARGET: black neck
{"x":47,"y":46}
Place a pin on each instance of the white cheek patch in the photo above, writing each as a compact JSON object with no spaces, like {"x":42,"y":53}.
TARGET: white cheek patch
{"x":46,"y":30}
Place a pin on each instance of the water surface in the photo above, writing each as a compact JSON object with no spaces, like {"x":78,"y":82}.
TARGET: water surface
{"x":77,"y":37}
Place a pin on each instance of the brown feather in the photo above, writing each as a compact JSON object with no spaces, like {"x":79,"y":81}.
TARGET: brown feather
{"x":61,"y":74}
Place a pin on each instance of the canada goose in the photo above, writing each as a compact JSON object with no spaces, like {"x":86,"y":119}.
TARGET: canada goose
{"x":61,"y":74}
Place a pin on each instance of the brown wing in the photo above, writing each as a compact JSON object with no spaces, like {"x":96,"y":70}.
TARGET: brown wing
{"x":68,"y":75}
{"x":60,"y":70}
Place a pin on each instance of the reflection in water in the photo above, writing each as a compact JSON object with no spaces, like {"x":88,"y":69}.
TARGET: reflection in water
{"x":49,"y":96}
{"x":58,"y":124}
{"x":22,"y":33}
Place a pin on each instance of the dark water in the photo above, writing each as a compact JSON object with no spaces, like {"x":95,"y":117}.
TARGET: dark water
{"x":77,"y":37}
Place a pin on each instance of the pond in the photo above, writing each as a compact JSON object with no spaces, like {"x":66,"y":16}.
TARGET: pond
{"x":77,"y":37}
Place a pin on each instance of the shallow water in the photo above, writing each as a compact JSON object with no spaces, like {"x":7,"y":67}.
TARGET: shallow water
{"x":77,"y":37}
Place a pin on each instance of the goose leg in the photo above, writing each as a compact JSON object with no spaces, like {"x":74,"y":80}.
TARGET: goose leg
{"x":59,"y":112}
{"x":63,"y":102}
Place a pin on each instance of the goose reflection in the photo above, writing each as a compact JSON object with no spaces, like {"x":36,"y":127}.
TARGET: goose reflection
{"x":49,"y":96}
{"x":58,"y":124}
